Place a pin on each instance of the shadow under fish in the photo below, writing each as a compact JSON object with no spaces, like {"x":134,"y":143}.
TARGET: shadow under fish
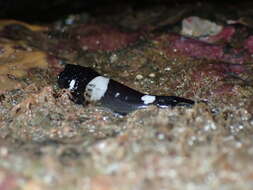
{"x":86,"y":85}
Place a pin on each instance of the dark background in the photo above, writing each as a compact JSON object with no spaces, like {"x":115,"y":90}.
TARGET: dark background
{"x":49,"y":10}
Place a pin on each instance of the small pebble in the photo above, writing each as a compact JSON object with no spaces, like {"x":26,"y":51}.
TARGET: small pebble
{"x":113,"y":58}
{"x":3,"y":151}
{"x":167,"y":69}
{"x":85,"y":48}
{"x":151,"y":75}
{"x":139,"y":77}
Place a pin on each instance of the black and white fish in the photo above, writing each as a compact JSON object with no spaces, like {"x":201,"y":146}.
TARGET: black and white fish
{"x":86,"y":85}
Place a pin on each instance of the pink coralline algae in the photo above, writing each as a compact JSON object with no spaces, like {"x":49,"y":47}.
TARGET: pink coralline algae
{"x":197,"y":48}
{"x":217,"y":71}
{"x":216,"y":75}
{"x":204,"y":50}
{"x":224,"y":35}
{"x":104,"y":37}
{"x":248,"y":44}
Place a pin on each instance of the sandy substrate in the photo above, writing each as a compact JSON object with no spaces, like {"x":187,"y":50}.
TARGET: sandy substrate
{"x":48,"y":142}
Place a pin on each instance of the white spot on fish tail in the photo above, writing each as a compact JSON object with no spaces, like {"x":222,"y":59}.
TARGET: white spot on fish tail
{"x":96,"y":88}
{"x":148,"y":99}
{"x":72,"y":84}
{"x":116,"y":95}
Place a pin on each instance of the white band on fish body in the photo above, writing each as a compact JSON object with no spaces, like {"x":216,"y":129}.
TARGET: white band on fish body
{"x":148,"y":99}
{"x":96,"y":88}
